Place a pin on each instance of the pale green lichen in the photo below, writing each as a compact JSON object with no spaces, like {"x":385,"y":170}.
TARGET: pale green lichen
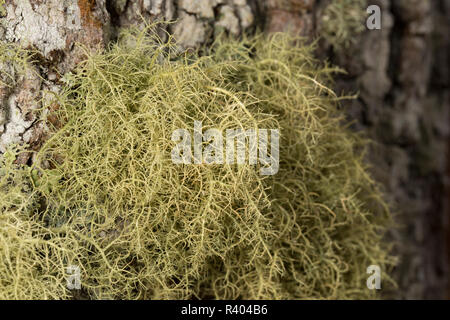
{"x":14,"y":61}
{"x":31,"y":264}
{"x":141,"y":227}
{"x":2,"y":8}
{"x":342,"y":21}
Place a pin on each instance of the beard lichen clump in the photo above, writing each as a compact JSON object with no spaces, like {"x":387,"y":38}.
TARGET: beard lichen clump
{"x":342,"y":22}
{"x":139,"y":226}
{"x":31,"y":264}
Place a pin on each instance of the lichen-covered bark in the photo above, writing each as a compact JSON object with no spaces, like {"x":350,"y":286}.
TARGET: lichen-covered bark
{"x":52,"y":28}
{"x":401,"y":72}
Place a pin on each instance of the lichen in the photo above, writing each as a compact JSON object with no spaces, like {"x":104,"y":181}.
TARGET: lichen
{"x":32,"y":266}
{"x":2,"y":8}
{"x":342,"y":21}
{"x":142,"y":227}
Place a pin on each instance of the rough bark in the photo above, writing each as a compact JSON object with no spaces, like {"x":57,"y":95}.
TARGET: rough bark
{"x":401,"y":72}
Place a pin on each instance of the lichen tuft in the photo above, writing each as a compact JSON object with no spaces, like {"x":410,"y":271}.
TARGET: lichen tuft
{"x":141,"y":227}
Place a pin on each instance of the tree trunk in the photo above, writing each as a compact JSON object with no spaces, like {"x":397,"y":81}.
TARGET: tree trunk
{"x":401,"y":72}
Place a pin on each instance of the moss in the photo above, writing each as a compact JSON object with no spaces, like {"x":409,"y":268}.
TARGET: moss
{"x":141,"y":227}
{"x":342,"y":21}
